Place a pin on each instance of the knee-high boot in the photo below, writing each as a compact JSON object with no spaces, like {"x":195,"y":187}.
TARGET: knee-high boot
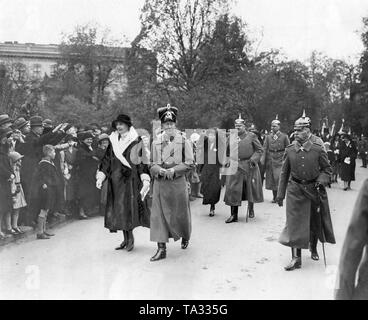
{"x":251,"y":209}
{"x":274,"y":193}
{"x":130,"y":243}
{"x":234,"y":215}
{"x":313,"y":247}
{"x":296,"y":260}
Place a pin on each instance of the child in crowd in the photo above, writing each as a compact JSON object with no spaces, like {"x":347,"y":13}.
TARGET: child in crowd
{"x":18,"y":198}
{"x":46,"y":182}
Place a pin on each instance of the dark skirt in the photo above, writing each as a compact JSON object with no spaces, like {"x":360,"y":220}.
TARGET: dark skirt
{"x":211,"y":184}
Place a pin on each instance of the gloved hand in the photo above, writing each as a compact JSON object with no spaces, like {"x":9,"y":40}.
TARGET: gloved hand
{"x":145,"y":189}
{"x":170,"y":174}
{"x":252,"y":163}
{"x":280,"y":202}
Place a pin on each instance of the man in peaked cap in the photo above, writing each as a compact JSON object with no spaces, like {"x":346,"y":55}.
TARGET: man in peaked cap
{"x":246,"y":183}
{"x":172,"y":159}
{"x":274,"y":148}
{"x":304,"y":174}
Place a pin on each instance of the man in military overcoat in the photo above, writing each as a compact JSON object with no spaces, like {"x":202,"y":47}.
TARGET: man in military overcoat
{"x":274,"y":148}
{"x":246,"y":182}
{"x":305,"y":169}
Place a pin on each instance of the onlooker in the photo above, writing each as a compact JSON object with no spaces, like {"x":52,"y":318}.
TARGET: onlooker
{"x":6,"y":175}
{"x":86,"y":169}
{"x":348,"y":154}
{"x":17,"y":193}
{"x":5,"y":121}
{"x":68,"y":159}
{"x":45,"y":182}
{"x":103,"y":143}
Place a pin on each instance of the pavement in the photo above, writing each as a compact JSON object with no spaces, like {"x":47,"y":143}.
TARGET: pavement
{"x":237,"y":261}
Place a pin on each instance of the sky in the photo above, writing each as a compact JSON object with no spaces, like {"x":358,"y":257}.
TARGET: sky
{"x":297,"y":27}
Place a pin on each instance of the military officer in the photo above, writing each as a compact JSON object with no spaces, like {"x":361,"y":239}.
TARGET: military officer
{"x":305,"y":168}
{"x":246,"y":182}
{"x":172,"y":159}
{"x":274,"y":148}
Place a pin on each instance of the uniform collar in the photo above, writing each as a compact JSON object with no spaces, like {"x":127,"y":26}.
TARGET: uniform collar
{"x":306,"y":146}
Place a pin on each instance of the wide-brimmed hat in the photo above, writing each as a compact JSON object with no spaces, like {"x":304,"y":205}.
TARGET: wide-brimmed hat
{"x":15,"y":156}
{"x":20,"y":123}
{"x":4,"y":119}
{"x":36,"y":121}
{"x":122,"y":118}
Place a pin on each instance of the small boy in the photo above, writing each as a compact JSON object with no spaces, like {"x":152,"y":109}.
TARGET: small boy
{"x":47,"y":181}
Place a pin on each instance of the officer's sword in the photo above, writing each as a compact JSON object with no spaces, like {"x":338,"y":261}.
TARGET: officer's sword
{"x":323,"y":233}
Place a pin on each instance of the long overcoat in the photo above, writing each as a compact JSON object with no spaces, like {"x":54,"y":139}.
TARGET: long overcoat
{"x":308,"y":164}
{"x":209,"y":169}
{"x":170,"y":214}
{"x":121,"y":202}
{"x":354,"y":254}
{"x":246,"y":182}
{"x":86,"y":165}
{"x":347,"y":170}
{"x":6,"y":171}
{"x":274,"y":148}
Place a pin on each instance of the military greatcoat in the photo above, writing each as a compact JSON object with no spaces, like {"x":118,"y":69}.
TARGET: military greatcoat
{"x":170,"y":213}
{"x":304,"y":166}
{"x":274,"y":149}
{"x":246,"y":182}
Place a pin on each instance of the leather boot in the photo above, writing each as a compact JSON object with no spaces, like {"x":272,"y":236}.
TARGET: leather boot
{"x":130,"y":243}
{"x":234,"y":215}
{"x":161,"y":252}
{"x":124,"y":243}
{"x":251,"y":210}
{"x":296,"y":261}
{"x":313,"y":248}
{"x":274,"y":192}
{"x":184,"y":243}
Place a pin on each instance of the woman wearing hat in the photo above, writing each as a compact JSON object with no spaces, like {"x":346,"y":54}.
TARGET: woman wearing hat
{"x":86,"y":165}
{"x":6,"y":175}
{"x":124,"y":169}
{"x":172,"y":157}
{"x":68,"y":159}
{"x":347,"y":156}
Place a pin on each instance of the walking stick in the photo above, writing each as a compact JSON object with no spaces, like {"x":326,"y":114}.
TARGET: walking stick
{"x":247,"y":215}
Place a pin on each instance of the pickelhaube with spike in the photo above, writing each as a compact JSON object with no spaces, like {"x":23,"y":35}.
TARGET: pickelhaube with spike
{"x":276,"y":121}
{"x":167,"y":113}
{"x":239,"y":121}
{"x":303,"y":122}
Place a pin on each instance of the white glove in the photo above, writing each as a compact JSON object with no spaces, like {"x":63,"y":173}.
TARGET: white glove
{"x":145,"y":189}
{"x":100,"y":178}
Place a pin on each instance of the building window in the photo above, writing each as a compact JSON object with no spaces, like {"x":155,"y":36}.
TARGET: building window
{"x":37,"y":71}
{"x":19,"y":71}
{"x":53,"y":70}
